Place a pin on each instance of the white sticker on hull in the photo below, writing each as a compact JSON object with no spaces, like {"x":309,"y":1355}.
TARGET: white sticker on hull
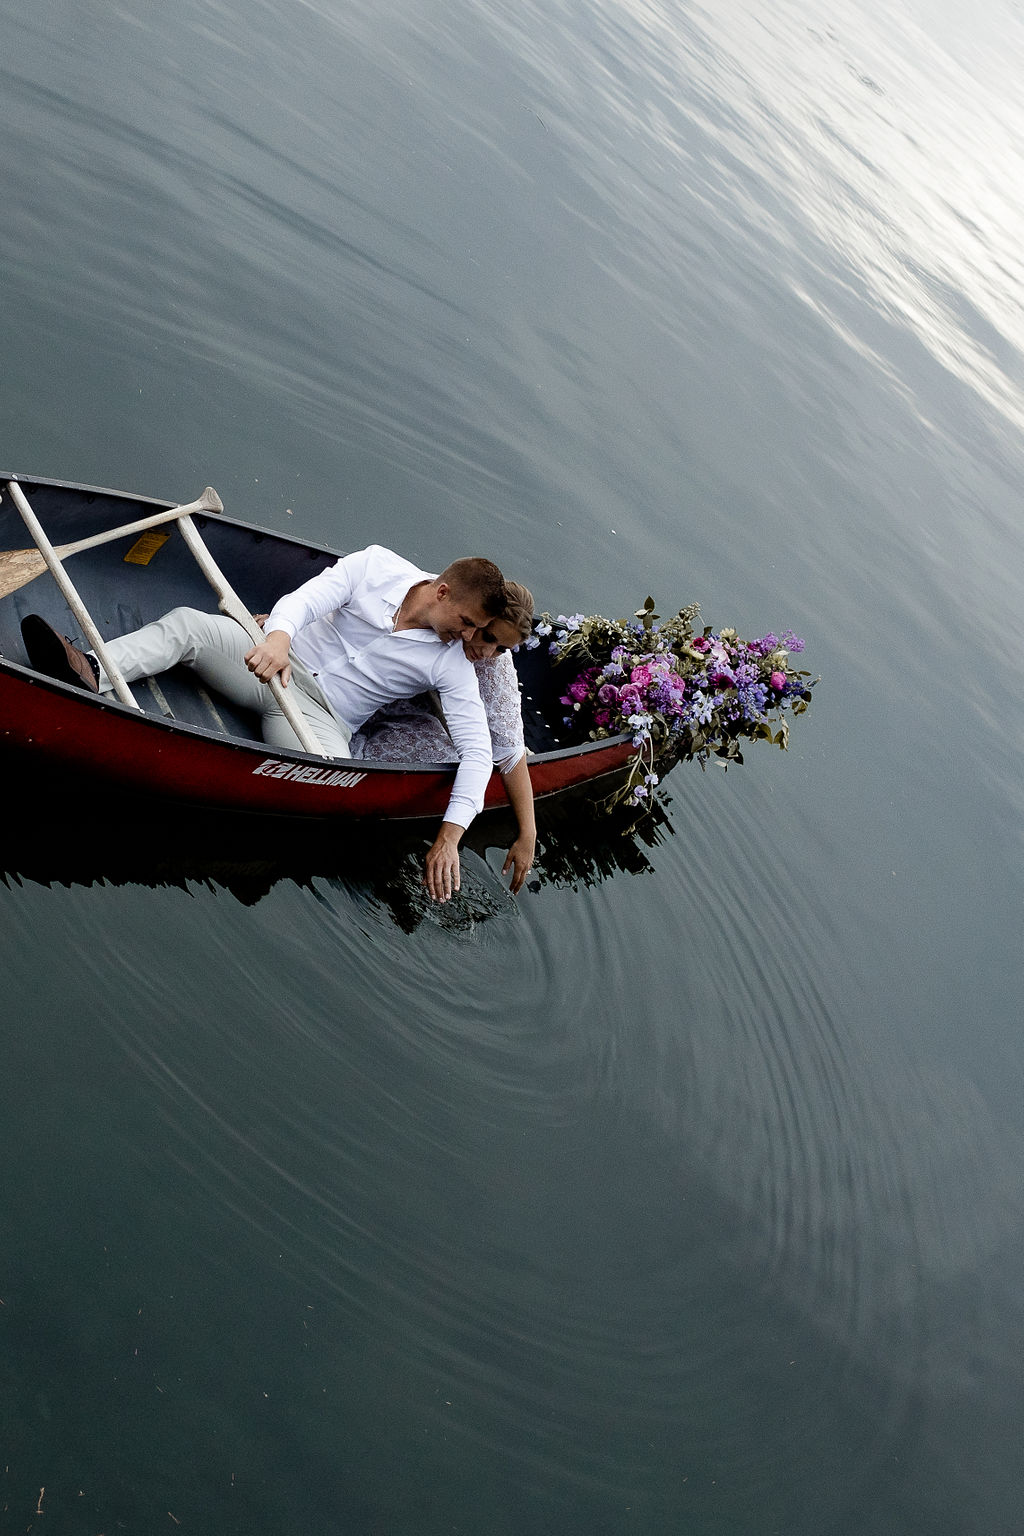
{"x":305,"y":773}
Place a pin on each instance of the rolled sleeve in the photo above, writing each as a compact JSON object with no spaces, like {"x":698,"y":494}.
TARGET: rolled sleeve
{"x":320,"y":595}
{"x":467,"y":726}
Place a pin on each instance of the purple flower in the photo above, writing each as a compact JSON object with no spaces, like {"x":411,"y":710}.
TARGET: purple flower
{"x":578,"y":690}
{"x":778,"y":681}
{"x":753,"y":699}
{"x":608,"y":694}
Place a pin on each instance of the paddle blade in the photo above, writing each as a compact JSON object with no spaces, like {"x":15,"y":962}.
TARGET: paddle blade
{"x":18,"y":567}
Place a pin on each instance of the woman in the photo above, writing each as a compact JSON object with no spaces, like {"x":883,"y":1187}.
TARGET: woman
{"x":409,"y":731}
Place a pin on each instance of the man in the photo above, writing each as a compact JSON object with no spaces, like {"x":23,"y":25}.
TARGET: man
{"x":369,"y":629}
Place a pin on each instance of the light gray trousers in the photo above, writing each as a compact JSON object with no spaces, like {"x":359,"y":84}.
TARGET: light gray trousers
{"x":214,"y":647}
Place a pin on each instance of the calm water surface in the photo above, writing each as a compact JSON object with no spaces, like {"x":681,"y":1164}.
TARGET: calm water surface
{"x":683,"y":1195}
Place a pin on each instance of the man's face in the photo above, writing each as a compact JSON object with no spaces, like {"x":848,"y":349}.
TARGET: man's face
{"x":457,"y":615}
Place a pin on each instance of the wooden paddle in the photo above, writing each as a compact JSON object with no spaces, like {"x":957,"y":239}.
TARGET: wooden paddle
{"x":20,"y":566}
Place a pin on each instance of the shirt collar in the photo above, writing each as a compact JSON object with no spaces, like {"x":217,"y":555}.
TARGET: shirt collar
{"x":392,"y":599}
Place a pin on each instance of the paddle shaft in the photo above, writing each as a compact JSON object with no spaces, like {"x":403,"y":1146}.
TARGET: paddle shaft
{"x":231,"y":604}
{"x":70,"y":593}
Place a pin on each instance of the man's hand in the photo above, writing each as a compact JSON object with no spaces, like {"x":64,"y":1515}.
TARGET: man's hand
{"x":441,"y":871}
{"x":270,"y":658}
{"x":520,"y":860}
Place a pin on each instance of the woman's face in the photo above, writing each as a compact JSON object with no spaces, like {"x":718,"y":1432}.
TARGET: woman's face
{"x":496,"y":636}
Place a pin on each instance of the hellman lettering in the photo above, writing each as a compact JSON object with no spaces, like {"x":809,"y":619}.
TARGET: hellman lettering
{"x":305,"y":773}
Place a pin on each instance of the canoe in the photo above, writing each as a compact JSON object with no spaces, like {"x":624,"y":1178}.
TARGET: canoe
{"x":175,"y":743}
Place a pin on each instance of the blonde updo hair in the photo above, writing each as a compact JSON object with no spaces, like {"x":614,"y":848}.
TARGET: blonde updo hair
{"x":518,"y":609}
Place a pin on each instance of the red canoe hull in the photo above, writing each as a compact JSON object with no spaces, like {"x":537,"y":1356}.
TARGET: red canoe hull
{"x":48,"y":726}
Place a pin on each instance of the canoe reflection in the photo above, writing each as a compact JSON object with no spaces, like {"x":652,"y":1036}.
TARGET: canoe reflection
{"x":86,"y":839}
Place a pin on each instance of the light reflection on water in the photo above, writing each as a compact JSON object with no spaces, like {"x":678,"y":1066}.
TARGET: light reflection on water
{"x":684,"y":1191}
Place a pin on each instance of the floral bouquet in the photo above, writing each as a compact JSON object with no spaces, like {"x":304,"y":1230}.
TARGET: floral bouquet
{"x":681,"y":694}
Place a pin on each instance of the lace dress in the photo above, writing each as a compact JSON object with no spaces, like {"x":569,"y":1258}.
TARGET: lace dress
{"x":408,"y":731}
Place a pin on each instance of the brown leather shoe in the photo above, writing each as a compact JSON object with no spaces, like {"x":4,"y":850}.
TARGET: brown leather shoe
{"x":55,"y":657}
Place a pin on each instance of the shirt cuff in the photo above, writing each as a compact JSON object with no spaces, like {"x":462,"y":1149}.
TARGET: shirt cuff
{"x":279,"y":623}
{"x":460,"y":810}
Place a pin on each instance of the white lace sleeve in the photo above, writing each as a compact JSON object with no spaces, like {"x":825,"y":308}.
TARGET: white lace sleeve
{"x":499,"y":690}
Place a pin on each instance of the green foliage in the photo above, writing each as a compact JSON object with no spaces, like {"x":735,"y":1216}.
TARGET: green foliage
{"x":680,"y":693}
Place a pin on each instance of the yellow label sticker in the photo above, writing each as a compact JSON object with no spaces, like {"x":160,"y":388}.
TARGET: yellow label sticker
{"x":146,"y":546}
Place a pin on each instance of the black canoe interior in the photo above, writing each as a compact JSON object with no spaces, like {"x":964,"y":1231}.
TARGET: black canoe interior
{"x":122,"y":596}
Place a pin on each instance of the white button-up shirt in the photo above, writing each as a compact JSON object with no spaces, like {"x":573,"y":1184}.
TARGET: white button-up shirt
{"x":342,"y":627}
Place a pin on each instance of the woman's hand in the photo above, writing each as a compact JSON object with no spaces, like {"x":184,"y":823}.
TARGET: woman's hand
{"x":519,"y":860}
{"x":521,"y":854}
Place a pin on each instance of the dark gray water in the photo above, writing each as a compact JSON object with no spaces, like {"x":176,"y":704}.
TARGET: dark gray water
{"x":684,"y":1196}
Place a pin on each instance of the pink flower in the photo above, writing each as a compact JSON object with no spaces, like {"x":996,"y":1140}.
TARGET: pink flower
{"x":778,"y":681}
{"x":641,"y":677}
{"x":578,"y":690}
{"x":602,"y":716}
{"x":629,"y":700}
{"x":700,"y":644}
